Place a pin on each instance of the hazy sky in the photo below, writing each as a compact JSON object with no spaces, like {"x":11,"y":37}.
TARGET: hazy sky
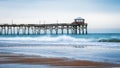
{"x":101,"y":15}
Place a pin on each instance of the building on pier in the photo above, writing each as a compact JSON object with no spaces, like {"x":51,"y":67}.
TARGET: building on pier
{"x":77,"y":27}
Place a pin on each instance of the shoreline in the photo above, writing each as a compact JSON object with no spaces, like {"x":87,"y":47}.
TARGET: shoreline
{"x":9,"y":58}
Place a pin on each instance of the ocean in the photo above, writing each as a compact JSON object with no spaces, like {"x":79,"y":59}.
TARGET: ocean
{"x":99,"y":47}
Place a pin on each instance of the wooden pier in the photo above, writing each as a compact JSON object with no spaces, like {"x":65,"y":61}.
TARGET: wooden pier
{"x":76,"y":27}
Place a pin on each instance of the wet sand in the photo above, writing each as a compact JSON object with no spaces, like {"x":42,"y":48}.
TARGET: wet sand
{"x":7,"y":58}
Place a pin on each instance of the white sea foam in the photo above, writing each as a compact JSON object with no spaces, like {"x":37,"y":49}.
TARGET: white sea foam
{"x":46,"y":38}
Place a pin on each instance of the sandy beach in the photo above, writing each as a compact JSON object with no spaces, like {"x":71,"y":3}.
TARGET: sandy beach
{"x":7,"y":58}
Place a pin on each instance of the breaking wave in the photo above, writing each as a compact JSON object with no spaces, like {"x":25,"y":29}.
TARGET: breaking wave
{"x":47,"y":39}
{"x":110,"y":40}
{"x":60,"y":40}
{"x":63,"y":38}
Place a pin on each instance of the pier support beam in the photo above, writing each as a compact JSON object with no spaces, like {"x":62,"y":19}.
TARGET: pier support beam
{"x":67,"y":29}
{"x":62,"y":29}
{"x":79,"y":29}
{"x":86,"y":29}
{"x":82,"y":29}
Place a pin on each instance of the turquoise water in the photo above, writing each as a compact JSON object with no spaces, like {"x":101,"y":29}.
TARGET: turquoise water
{"x":100,"y":47}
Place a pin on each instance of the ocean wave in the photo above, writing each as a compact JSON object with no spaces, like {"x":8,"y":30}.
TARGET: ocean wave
{"x":47,"y":39}
{"x":63,"y":39}
{"x":109,"y":40}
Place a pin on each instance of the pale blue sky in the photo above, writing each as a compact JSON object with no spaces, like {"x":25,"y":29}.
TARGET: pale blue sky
{"x":103,"y":15}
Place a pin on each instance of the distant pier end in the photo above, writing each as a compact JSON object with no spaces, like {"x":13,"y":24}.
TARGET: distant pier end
{"x":77,"y":27}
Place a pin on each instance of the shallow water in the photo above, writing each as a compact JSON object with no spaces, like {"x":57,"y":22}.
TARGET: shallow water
{"x":92,"y":53}
{"x":39,"y":66}
{"x":23,"y":66}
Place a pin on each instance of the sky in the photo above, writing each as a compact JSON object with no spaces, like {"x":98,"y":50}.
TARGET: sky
{"x":101,"y":15}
